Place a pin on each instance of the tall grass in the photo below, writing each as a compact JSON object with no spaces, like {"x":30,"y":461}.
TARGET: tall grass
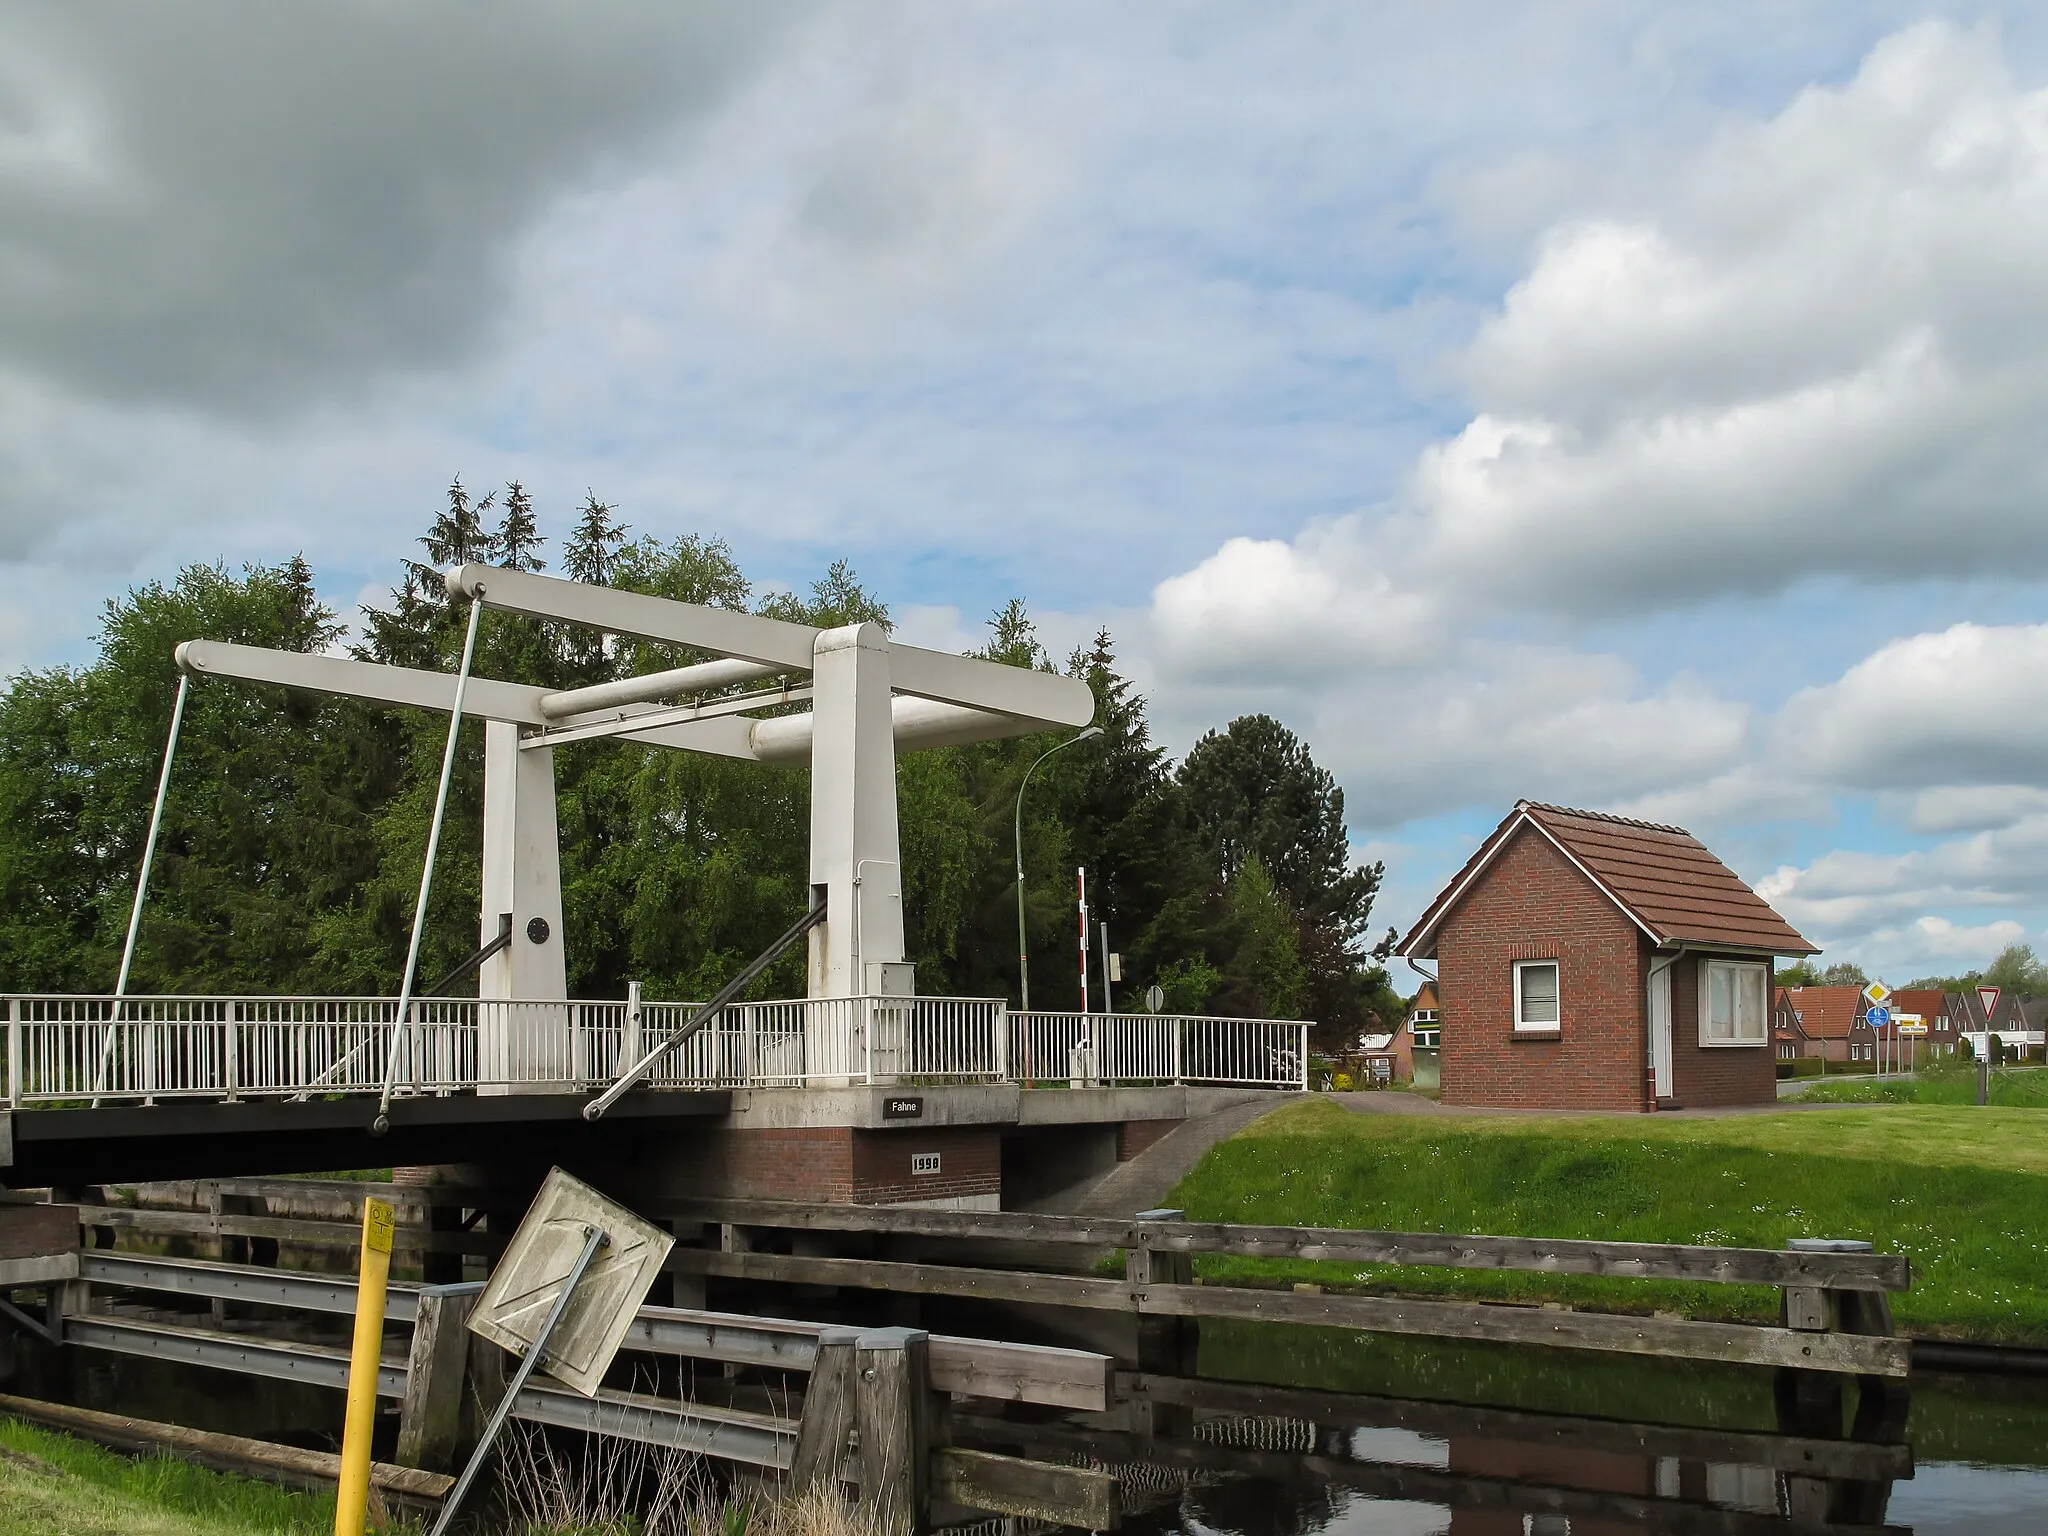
{"x":89,"y":1489}
{"x":591,"y":1485}
{"x":1949,"y":1083}
{"x":1963,"y":1193}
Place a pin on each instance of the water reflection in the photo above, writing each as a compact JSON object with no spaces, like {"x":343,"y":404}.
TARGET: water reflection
{"x":1517,"y":1443}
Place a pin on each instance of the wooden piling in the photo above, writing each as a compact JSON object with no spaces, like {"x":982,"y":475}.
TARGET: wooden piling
{"x":893,"y":1417}
{"x":829,"y":1409}
{"x":437,"y":1378}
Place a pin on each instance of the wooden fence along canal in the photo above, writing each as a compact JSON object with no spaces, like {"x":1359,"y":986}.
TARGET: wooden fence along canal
{"x":914,"y":1419}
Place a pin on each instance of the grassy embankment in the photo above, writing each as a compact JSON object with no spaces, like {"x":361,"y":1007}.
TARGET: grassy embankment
{"x":1962,"y":1191}
{"x":54,"y":1485}
{"x":2011,"y":1088}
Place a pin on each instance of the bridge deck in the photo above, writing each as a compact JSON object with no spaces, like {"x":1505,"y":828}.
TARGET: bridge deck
{"x":111,"y":1144}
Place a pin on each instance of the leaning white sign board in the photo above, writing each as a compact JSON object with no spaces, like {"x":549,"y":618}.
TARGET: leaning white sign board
{"x":529,"y":1277}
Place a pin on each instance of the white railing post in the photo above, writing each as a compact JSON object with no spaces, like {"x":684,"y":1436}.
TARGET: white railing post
{"x":14,"y":1053}
{"x":629,"y":1037}
{"x":1180,"y":1027}
{"x":231,"y":1051}
{"x":1002,"y":1041}
{"x":1303,"y":1048}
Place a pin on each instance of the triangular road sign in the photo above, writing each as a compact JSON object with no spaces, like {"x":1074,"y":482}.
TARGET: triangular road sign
{"x":1988,"y":996}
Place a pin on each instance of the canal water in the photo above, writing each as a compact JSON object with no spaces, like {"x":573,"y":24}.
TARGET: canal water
{"x":1488,"y":1441}
{"x":1289,"y":1431}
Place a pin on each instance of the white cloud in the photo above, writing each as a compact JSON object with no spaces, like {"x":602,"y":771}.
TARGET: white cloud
{"x":1937,"y":944}
{"x":1965,"y":706}
{"x":1975,"y":807}
{"x":1850,"y":893}
{"x":1266,"y":608}
{"x":1825,"y":348}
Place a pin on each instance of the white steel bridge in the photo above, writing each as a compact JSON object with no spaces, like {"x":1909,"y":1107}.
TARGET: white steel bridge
{"x":69,"y":1050}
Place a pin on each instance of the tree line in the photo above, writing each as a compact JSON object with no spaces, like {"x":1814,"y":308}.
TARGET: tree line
{"x":2015,"y":969}
{"x":290,"y":854}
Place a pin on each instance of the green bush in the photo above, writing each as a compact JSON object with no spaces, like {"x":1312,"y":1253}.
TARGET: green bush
{"x":1799,"y":1066}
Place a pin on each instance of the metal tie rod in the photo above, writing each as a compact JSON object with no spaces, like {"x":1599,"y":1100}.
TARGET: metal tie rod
{"x":705,"y":1014}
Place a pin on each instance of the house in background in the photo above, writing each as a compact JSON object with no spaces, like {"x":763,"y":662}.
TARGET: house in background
{"x":2017,"y":1022}
{"x":1390,"y":1057}
{"x":1826,"y":1022}
{"x":1931,"y":1006}
{"x":1587,"y":961}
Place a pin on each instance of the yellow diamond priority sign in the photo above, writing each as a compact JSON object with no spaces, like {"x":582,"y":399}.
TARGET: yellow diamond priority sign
{"x":1877,"y":992}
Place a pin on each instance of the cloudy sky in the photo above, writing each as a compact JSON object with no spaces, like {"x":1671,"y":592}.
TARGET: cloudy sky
{"x":1635,"y":406}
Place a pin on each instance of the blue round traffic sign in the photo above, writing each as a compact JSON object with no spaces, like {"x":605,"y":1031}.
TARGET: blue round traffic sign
{"x":1877,"y":1018}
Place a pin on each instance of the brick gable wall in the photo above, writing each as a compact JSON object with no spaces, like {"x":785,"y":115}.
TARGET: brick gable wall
{"x":1532,"y":904}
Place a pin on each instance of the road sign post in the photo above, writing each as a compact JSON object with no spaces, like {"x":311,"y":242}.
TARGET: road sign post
{"x":553,"y":1301}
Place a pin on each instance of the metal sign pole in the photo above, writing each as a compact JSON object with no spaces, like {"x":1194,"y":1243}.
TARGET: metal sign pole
{"x":593,"y":1240}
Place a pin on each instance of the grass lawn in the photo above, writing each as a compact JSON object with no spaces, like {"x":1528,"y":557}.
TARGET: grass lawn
{"x":1961,"y":1191}
{"x":2011,"y":1088}
{"x":54,"y":1485}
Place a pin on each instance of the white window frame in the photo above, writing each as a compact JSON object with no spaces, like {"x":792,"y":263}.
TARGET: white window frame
{"x":1553,"y":1026}
{"x":1708,"y":967}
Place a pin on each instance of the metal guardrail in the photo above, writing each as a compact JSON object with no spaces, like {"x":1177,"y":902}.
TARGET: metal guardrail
{"x":976,"y":1367}
{"x":73,"y":1048}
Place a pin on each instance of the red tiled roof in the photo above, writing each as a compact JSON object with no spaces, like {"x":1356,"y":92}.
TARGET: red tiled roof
{"x":1662,"y":877}
{"x":1826,"y":1013}
{"x":1929,"y":1002}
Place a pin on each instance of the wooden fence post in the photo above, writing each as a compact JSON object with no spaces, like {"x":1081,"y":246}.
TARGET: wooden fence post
{"x":1166,"y":1345}
{"x":827,"y":1424}
{"x":437,"y":1377}
{"x":893,"y":1414}
{"x":1811,"y":1402}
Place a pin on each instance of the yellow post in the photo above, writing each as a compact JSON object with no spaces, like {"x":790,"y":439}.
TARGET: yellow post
{"x":352,"y":1496}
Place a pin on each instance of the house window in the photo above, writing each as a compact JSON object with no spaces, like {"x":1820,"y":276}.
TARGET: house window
{"x":1732,"y":1002}
{"x":1425,"y":1029}
{"x":1536,"y":1010}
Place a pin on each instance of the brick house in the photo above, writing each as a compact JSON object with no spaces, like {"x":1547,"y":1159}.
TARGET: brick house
{"x":1823,"y":1021}
{"x":2018,"y":1023}
{"x":1588,"y":961}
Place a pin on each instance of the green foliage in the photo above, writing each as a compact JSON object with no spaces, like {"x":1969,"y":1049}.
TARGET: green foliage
{"x":1801,"y":973}
{"x":1844,"y":973}
{"x":296,"y":825}
{"x":2017,"y":970}
{"x":1963,"y":1192}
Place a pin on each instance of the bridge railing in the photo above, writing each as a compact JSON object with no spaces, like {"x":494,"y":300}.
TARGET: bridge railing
{"x":65,"y":1049}
{"x":1083,"y":1049}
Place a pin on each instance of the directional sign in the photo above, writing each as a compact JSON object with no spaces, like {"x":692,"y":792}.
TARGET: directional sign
{"x":1877,"y":1018}
{"x":1988,"y":996}
{"x":1916,"y":1028}
{"x":1877,"y":992}
{"x":529,"y":1278}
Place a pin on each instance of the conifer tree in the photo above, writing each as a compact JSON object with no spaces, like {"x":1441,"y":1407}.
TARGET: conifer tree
{"x":518,"y":542}
{"x":590,"y":553}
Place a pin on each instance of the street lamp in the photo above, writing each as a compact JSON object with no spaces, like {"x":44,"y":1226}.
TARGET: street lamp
{"x":1023,"y":955}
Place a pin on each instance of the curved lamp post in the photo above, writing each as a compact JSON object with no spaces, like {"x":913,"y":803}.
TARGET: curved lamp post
{"x":1023,"y":955}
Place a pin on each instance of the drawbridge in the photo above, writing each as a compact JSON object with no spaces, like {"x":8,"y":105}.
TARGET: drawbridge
{"x":840,"y":701}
